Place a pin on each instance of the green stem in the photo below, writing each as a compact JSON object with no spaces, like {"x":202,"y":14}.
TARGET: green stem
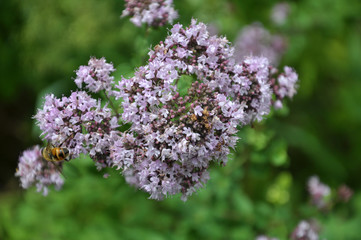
{"x":111,"y":104}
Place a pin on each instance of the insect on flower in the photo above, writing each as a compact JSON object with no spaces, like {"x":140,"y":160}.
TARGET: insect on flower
{"x":33,"y":169}
{"x":55,"y":154}
{"x":52,"y":153}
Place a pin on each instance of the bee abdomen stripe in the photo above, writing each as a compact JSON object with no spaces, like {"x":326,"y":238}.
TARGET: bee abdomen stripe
{"x":61,"y":153}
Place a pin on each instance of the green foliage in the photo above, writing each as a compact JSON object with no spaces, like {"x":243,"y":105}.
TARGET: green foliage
{"x":183,"y":84}
{"x":261,"y":190}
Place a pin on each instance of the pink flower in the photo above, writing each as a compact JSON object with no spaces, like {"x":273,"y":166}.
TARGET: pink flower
{"x":154,"y":13}
{"x":255,"y":40}
{"x":173,"y":139}
{"x":34,"y":170}
{"x":96,"y":75}
{"x":319,"y":192}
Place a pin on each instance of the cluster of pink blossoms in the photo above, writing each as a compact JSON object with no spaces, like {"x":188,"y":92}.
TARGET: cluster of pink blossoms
{"x":319,"y":192}
{"x":34,"y":170}
{"x":175,"y":137}
{"x":306,"y":230}
{"x":280,"y":12}
{"x":257,"y":41}
{"x":96,"y":76}
{"x":176,"y":132}
{"x":78,"y":123}
{"x":344,"y":193}
{"x":154,"y":13}
{"x":321,"y":195}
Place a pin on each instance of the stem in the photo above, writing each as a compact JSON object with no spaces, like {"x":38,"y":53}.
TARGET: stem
{"x":111,"y":104}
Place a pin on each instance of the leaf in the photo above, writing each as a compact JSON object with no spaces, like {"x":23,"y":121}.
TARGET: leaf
{"x":183,"y":84}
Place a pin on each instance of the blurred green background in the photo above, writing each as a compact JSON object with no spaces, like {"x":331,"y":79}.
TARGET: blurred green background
{"x":262,"y":190}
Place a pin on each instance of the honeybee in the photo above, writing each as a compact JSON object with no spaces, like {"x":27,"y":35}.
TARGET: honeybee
{"x":55,"y":154}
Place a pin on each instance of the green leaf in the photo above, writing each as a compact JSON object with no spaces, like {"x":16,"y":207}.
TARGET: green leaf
{"x":279,"y":153}
{"x":278,"y":193}
{"x":183,"y":84}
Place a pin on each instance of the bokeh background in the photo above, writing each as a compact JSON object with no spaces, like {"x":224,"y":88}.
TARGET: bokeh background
{"x":262,"y":190}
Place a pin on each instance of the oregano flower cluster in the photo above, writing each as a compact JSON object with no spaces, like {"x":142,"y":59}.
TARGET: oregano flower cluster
{"x":319,"y":192}
{"x":175,"y":135}
{"x":79,"y":123}
{"x":256,"y":40}
{"x":323,"y":197}
{"x":34,"y":170}
{"x":96,"y":76}
{"x":279,"y":13}
{"x":184,"y":108}
{"x":154,"y":13}
{"x":306,"y":230}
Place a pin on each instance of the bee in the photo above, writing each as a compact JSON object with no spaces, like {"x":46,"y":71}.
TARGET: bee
{"x":207,"y":126}
{"x":193,"y":117}
{"x":55,"y":154}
